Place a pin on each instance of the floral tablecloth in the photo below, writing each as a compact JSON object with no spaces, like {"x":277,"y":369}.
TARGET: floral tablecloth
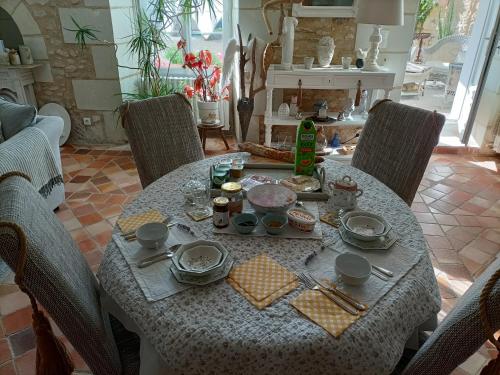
{"x":214,"y":330}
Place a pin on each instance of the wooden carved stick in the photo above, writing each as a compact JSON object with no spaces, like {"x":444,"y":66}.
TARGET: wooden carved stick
{"x":243,"y":61}
{"x":251,"y":94}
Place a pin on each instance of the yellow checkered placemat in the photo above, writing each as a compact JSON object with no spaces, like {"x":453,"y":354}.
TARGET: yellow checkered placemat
{"x":324,"y":312}
{"x":262,"y":280}
{"x":268,"y":300}
{"x":131,"y":223}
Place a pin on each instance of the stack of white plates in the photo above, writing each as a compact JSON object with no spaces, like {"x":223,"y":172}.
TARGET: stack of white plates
{"x":366,"y":230}
{"x":201,"y":262}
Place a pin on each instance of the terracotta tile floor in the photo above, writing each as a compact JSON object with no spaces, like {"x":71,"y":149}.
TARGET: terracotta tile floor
{"x":458,"y":206}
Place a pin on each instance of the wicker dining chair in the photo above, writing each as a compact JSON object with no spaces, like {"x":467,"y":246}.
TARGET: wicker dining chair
{"x":162,"y":134}
{"x":474,"y":319}
{"x":396,"y":144}
{"x":57,"y":275}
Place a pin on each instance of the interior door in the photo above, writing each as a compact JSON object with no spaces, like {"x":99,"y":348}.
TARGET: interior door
{"x":478,"y":50}
{"x":492,"y":53}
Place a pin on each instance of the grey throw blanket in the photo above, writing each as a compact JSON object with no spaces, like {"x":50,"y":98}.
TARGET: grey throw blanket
{"x":29,"y":152}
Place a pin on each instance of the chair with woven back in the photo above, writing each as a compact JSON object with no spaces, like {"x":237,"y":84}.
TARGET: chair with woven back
{"x":473,"y":320}
{"x":52,"y":271}
{"x":396,"y":144}
{"x":162,"y":134}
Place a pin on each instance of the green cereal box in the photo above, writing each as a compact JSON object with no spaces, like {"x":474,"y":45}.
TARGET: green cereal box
{"x":305,"y":148}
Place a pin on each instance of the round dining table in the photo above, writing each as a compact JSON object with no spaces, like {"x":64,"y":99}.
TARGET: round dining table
{"x":214,"y":330}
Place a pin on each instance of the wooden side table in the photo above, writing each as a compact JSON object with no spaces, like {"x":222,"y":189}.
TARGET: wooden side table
{"x":203,"y":129}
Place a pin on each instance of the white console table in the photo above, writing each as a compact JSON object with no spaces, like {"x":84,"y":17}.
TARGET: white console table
{"x":20,"y":79}
{"x":333,"y":77}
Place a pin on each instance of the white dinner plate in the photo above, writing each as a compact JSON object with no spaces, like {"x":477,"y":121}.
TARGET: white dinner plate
{"x":54,"y":109}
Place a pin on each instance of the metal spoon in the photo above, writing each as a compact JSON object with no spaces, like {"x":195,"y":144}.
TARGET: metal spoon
{"x":158,"y":257}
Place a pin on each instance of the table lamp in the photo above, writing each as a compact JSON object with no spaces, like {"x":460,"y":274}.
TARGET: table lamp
{"x":378,"y":13}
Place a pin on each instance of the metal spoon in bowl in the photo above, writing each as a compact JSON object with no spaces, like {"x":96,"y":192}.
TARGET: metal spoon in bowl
{"x":158,"y":257}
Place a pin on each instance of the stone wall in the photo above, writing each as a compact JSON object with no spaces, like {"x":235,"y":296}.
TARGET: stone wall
{"x":87,"y":81}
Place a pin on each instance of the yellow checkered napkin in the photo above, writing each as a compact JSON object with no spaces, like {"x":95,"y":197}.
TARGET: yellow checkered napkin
{"x":261,"y":280}
{"x":324,"y":312}
{"x":131,"y":223}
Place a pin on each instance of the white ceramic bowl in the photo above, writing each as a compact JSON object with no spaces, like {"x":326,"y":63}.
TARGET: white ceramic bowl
{"x":179,"y":254}
{"x":352,"y":268}
{"x":200,"y":258}
{"x":152,"y":235}
{"x":273,"y":198}
{"x":364,"y":226}
{"x":301,"y":219}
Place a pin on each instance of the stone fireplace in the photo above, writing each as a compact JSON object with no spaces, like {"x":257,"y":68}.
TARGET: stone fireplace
{"x":87,"y":82}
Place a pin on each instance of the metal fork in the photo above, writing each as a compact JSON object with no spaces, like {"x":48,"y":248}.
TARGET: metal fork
{"x":333,"y":289}
{"x":310,"y":284}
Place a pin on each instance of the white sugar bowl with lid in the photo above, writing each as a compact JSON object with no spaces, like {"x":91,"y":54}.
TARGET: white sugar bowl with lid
{"x":344,"y":193}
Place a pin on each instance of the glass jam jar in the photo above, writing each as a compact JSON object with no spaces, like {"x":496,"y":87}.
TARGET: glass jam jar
{"x":220,"y":216}
{"x":232,"y":191}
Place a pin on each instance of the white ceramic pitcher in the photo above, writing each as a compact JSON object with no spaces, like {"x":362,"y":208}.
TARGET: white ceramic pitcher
{"x":344,"y":193}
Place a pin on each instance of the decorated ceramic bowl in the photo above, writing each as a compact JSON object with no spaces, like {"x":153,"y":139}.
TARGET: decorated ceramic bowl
{"x":301,"y":219}
{"x":271,"y":198}
{"x":200,"y":258}
{"x":364,"y":225}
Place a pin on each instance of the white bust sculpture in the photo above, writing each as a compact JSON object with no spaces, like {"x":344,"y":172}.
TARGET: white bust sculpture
{"x":326,"y":48}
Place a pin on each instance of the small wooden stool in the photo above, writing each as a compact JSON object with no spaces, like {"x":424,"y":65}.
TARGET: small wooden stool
{"x":203,"y":129}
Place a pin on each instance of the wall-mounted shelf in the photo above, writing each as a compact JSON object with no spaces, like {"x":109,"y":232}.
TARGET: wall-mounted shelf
{"x":299,"y":10}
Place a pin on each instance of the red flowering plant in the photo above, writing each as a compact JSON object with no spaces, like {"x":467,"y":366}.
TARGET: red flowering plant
{"x":207,"y":82}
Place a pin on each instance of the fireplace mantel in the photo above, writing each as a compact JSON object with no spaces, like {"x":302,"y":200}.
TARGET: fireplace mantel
{"x":20,"y":79}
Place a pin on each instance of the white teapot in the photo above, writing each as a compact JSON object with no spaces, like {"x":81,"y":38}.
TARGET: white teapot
{"x":344,"y":193}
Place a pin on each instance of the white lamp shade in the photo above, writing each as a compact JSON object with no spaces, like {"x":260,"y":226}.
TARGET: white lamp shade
{"x":380,"y":12}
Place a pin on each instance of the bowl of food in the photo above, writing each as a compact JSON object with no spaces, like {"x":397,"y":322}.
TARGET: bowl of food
{"x":352,"y":268}
{"x":244,"y":223}
{"x":152,"y":235}
{"x":274,"y":223}
{"x":273,"y":198}
{"x":301,"y":219}
{"x":364,"y":225}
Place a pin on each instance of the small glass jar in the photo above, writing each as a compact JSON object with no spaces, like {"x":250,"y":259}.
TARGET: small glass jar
{"x":232,"y":191}
{"x":218,"y":178}
{"x":220,"y":215}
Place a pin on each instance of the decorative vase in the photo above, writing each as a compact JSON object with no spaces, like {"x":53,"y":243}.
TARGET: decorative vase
{"x":283,"y":111}
{"x":208,"y":112}
{"x":288,"y":36}
{"x":14,"y":57}
{"x":325,"y":49}
{"x":25,"y":54}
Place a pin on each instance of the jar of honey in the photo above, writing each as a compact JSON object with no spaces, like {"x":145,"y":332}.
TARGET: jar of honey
{"x":232,"y":191}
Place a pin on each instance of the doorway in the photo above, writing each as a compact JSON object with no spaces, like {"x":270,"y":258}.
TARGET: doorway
{"x":446,"y":60}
